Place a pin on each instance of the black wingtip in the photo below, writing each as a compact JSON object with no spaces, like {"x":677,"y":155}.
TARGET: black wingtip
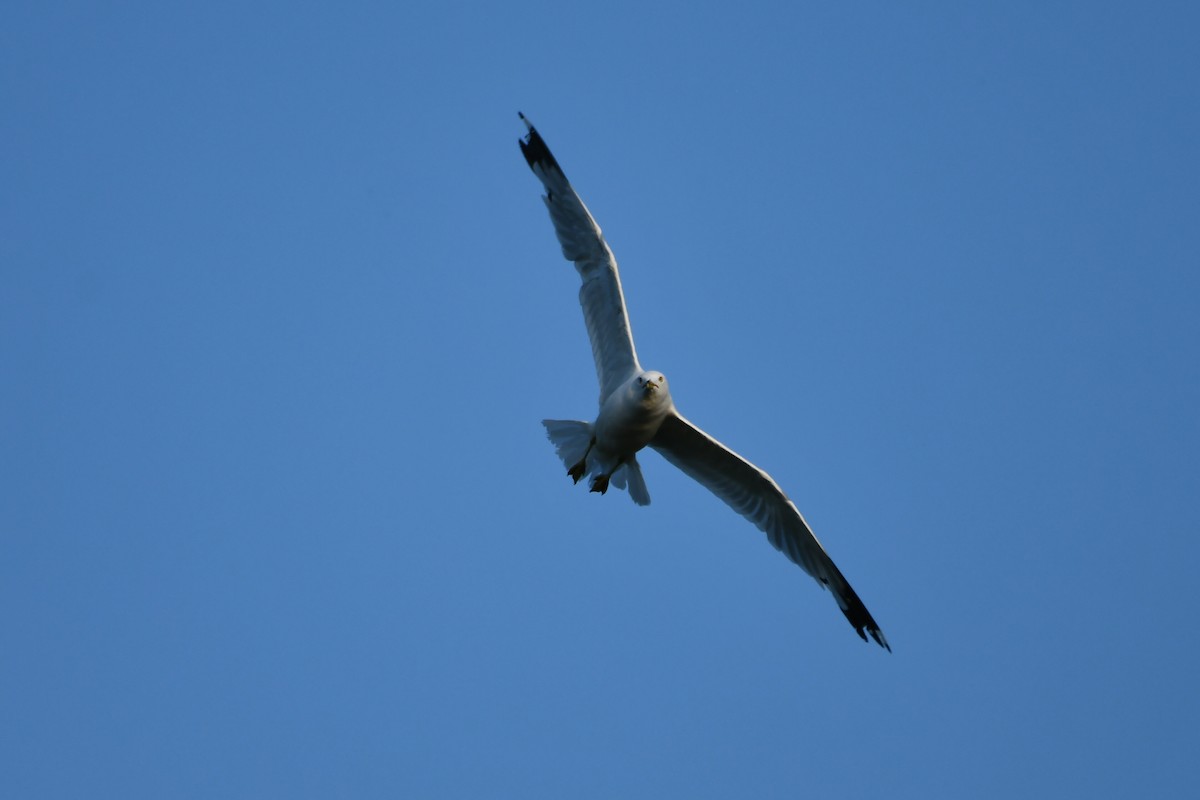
{"x":861,"y":619}
{"x":876,"y":634}
{"x":535,"y":150}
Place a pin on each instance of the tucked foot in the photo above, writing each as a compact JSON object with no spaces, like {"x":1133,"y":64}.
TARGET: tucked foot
{"x":576,"y":472}
{"x":600,"y":484}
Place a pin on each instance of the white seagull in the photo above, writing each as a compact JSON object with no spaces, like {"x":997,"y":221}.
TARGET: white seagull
{"x":636,"y":409}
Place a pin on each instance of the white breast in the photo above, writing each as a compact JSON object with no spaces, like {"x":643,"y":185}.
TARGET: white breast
{"x":629,"y":418}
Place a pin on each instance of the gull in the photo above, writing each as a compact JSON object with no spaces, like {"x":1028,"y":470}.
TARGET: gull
{"x":636,"y":409}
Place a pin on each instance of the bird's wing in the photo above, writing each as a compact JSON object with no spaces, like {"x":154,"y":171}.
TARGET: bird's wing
{"x":603,"y":303}
{"x":753,"y":494}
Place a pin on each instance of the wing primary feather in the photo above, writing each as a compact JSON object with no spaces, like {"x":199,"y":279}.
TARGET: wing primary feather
{"x":536,"y":153}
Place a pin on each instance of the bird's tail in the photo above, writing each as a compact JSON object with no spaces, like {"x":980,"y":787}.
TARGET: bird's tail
{"x":629,"y":475}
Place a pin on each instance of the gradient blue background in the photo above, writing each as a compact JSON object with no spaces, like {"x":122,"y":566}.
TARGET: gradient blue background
{"x":280,"y":312}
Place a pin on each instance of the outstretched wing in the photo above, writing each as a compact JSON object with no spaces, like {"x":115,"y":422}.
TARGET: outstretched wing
{"x":753,"y":494}
{"x":581,"y":240}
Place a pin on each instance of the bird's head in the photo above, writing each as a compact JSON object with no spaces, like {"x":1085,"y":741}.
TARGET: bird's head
{"x":652,"y":385}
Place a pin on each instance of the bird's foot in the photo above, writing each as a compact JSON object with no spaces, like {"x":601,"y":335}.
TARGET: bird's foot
{"x":600,"y":484}
{"x":576,"y":472}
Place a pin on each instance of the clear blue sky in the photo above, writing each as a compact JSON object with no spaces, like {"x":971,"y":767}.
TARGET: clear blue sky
{"x":280,"y":312}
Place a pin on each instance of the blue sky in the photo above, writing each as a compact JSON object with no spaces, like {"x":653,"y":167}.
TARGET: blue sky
{"x":280,"y":312}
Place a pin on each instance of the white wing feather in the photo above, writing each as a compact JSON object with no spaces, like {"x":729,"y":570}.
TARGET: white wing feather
{"x":582,"y":242}
{"x":753,"y":494}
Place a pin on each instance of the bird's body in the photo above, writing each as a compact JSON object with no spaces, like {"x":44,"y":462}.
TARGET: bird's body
{"x":631,"y":416}
{"x":636,"y":408}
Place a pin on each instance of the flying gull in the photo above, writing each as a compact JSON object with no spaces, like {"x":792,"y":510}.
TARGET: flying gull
{"x":636,"y":409}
